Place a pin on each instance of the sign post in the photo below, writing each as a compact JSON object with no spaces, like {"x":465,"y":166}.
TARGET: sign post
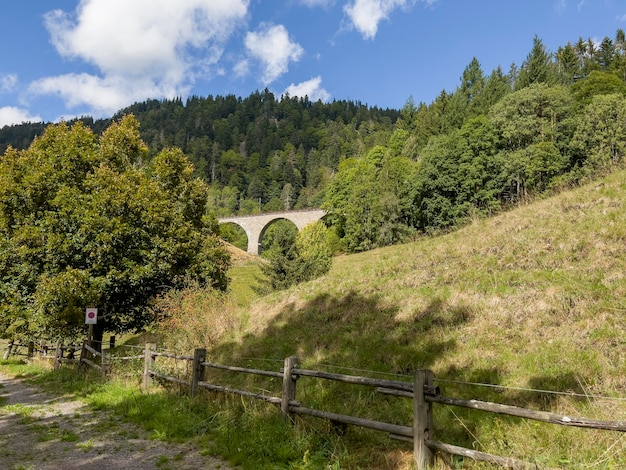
{"x":91,"y":319}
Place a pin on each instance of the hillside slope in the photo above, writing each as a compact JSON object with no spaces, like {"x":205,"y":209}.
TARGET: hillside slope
{"x":543,"y":279}
{"x":532,"y":299}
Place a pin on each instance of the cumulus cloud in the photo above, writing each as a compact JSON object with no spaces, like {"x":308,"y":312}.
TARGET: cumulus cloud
{"x":106,"y":95}
{"x":8,"y":82}
{"x":621,"y":17}
{"x":10,"y":115}
{"x":242,"y":68}
{"x":311,"y":88}
{"x":272,"y":47}
{"x":140,"y":49}
{"x":365,"y":15}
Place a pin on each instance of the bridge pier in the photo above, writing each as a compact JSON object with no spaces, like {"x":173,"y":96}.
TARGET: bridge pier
{"x":254,"y":225}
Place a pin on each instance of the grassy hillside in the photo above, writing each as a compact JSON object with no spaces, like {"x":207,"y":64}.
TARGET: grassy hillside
{"x":532,"y":299}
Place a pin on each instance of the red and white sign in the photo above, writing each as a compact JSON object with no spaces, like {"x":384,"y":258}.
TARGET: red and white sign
{"x":91,"y":316}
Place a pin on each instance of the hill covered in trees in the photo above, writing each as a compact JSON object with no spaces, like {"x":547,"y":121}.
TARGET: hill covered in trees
{"x":386,"y":175}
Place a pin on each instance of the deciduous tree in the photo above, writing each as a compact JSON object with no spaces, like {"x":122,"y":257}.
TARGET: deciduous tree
{"x":84,"y":223}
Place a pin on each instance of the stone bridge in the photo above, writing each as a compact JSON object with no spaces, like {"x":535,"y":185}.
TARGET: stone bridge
{"x":254,"y":225}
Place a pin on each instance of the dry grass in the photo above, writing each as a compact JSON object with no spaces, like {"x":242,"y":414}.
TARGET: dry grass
{"x":195,"y":318}
{"x":534,"y":298}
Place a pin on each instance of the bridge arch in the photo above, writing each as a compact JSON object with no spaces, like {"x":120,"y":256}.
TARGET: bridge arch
{"x":254,"y":225}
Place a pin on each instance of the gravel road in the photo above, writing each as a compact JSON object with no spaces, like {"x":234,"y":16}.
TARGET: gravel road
{"x":41,"y":432}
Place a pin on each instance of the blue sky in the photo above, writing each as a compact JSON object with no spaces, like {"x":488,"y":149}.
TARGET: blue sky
{"x":67,"y":58}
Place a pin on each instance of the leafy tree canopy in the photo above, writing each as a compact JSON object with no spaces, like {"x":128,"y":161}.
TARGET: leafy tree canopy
{"x":84,"y":224}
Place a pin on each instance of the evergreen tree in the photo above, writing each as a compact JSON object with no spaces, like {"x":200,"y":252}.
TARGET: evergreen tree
{"x":606,"y":54}
{"x":568,"y":64}
{"x":536,"y":67}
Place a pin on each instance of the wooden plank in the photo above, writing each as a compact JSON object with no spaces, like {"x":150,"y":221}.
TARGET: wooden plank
{"x":422,"y":421}
{"x":173,"y":356}
{"x":401,"y":438}
{"x":92,"y":350}
{"x":125,"y":358}
{"x":58,"y":355}
{"x":244,"y":370}
{"x":148,"y":364}
{"x":289,"y":387}
{"x":355,"y":379}
{"x":396,"y":393}
{"x":169,"y":378}
{"x":245,"y":393}
{"x":544,"y":416}
{"x":395,"y":429}
{"x":7,"y":353}
{"x":506,"y":462}
{"x":197,"y":374}
{"x":91,"y":364}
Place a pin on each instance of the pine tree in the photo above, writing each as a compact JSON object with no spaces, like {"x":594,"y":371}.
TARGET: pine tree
{"x":536,"y":67}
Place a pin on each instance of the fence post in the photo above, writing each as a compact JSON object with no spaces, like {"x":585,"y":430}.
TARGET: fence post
{"x":422,"y":420}
{"x":289,"y":387}
{"x":112,"y":342}
{"x":31,"y":349}
{"x":83,"y":355}
{"x":199,"y":355}
{"x":105,"y":366}
{"x":148,"y":362}
{"x":9,"y":349}
{"x":58,"y":354}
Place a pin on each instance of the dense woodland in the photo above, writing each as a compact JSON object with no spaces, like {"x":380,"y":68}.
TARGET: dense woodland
{"x":386,"y":175}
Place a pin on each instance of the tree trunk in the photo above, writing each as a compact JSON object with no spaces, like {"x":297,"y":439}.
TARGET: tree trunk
{"x":98,"y":334}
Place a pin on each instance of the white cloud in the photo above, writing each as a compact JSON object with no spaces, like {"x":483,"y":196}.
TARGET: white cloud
{"x":621,"y":17}
{"x":311,"y":88}
{"x":140,"y":48}
{"x":272,"y":47}
{"x":365,"y":15}
{"x":10,"y":115}
{"x":104,"y":95}
{"x":242,"y":68}
{"x":8,"y":82}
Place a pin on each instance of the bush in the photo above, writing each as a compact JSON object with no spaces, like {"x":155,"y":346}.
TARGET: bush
{"x":309,"y":258}
{"x":194,"y":317}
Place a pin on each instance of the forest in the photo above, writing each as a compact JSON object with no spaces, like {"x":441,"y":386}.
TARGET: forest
{"x":385,"y":175}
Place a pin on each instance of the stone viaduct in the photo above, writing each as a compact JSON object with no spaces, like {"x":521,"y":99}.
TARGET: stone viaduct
{"x":254,"y":225}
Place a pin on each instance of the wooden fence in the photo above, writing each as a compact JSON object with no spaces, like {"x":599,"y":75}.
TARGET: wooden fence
{"x":15,"y":348}
{"x":421,"y":390}
{"x":99,"y":359}
{"x":31,"y":349}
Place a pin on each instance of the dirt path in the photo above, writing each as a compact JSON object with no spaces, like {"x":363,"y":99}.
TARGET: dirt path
{"x":40,"y":432}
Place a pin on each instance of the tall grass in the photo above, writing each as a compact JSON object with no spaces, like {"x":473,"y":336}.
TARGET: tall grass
{"x":531,"y":300}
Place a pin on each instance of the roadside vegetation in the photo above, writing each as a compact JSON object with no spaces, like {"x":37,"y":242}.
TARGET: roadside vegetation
{"x":532,"y":299}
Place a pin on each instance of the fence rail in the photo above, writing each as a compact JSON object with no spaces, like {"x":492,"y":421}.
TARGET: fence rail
{"x":14,"y":348}
{"x":90,"y":355}
{"x":422,"y":391}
